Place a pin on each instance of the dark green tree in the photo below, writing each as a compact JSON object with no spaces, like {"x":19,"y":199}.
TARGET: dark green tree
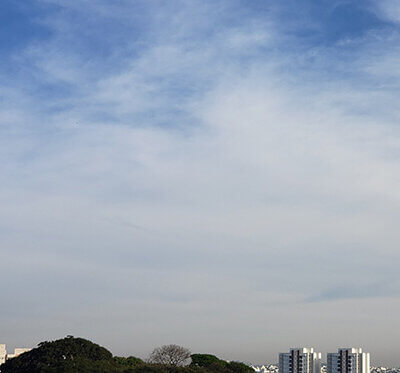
{"x":209,"y":362}
{"x":214,"y":364}
{"x":206,"y":360}
{"x":238,"y":367}
{"x":64,"y":355}
{"x":78,"y":355}
{"x":128,"y":362}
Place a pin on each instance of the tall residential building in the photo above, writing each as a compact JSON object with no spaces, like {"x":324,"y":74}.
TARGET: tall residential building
{"x":300,"y":360}
{"x":348,"y":360}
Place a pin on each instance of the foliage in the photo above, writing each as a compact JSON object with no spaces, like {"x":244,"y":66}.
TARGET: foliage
{"x":78,"y":355}
{"x":173,"y":355}
{"x":205,"y":360}
{"x":238,"y":367}
{"x":64,"y":355}
{"x":208,"y":361}
{"x":128,"y":362}
{"x":212,"y":363}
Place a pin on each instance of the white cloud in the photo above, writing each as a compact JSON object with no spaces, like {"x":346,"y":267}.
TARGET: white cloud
{"x":389,"y":9}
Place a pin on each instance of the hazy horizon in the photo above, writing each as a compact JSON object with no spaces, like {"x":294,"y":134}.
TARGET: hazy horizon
{"x":266,"y":362}
{"x":223,"y":175}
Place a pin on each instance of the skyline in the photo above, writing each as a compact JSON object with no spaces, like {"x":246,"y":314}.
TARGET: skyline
{"x":316,"y":355}
{"x":207,"y":173}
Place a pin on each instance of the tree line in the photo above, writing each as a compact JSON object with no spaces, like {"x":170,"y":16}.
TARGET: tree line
{"x":73,"y":355}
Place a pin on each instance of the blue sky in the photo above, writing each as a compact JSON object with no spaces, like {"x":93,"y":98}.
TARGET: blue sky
{"x":201,"y":173}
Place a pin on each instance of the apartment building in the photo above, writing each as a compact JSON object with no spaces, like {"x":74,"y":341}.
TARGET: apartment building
{"x":300,"y":360}
{"x":348,"y":360}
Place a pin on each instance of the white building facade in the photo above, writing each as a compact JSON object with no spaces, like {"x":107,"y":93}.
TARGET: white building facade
{"x":300,"y":360}
{"x":4,"y":356}
{"x":348,"y":360}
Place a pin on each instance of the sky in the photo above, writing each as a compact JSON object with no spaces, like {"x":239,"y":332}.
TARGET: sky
{"x":218,"y":174}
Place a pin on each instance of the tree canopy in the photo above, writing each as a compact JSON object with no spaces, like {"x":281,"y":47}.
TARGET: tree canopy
{"x":170,"y":355}
{"x":78,"y":355}
{"x":66,"y":355}
{"x":214,"y":364}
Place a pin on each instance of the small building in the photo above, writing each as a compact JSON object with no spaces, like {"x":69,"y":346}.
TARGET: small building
{"x":4,"y":356}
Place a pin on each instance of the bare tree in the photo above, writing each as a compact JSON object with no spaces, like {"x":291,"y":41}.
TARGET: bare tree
{"x":170,"y":355}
